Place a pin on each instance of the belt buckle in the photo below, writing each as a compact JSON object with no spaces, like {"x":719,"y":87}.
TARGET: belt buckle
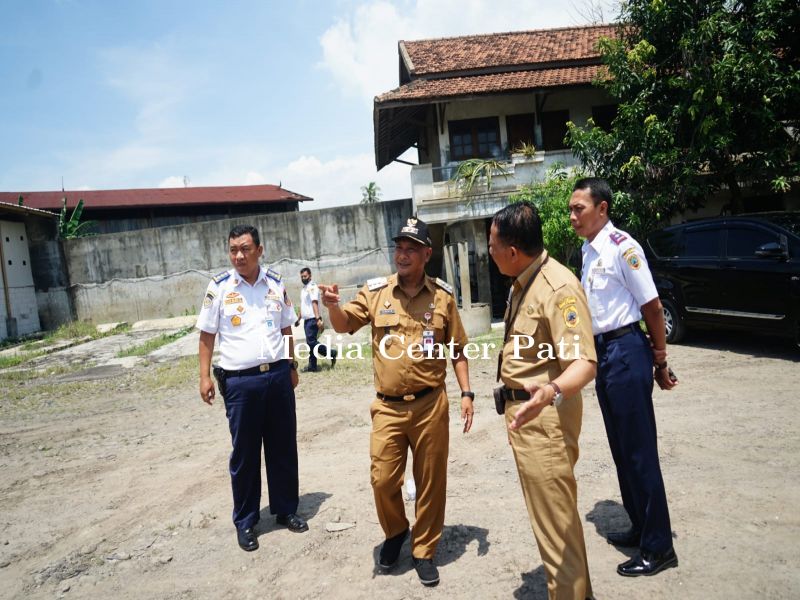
{"x":409,"y":397}
{"x":263,"y":367}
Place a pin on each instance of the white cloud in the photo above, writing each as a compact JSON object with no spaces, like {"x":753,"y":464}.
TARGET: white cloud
{"x":360,"y":49}
{"x":173,"y":181}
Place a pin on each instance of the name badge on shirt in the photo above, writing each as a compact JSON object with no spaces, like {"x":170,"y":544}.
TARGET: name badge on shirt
{"x":427,"y":339}
{"x":270,"y":323}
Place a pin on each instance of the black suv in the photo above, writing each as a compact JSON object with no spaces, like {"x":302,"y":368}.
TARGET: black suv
{"x":738,"y":272}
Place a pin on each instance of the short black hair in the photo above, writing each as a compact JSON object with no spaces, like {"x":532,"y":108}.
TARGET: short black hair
{"x":519,"y":225}
{"x":240,"y":230}
{"x":305,"y":270}
{"x":599,"y":190}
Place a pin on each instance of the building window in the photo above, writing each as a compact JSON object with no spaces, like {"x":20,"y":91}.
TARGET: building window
{"x":474,"y":138}
{"x":520,"y":130}
{"x":554,"y":128}
{"x":604,"y":115}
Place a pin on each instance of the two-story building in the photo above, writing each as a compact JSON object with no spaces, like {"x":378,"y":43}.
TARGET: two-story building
{"x":485,"y":96}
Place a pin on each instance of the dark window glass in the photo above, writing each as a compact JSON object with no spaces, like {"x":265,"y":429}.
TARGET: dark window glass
{"x":665,"y":244}
{"x":520,"y":130}
{"x":554,"y":128}
{"x":744,"y":241}
{"x":701,"y":242}
{"x":604,"y":115}
{"x":474,"y":138}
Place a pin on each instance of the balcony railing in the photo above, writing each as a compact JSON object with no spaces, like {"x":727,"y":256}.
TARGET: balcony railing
{"x":432,"y":184}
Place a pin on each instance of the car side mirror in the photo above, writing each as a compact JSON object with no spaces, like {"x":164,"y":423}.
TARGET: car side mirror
{"x":771,"y":250}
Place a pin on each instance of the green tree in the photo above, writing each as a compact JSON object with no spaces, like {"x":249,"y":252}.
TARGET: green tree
{"x":71,"y":227}
{"x":370,"y":193}
{"x":707,"y":95}
{"x":551,"y":197}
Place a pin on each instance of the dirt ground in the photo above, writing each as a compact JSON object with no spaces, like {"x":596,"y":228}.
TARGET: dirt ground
{"x":117,"y":487}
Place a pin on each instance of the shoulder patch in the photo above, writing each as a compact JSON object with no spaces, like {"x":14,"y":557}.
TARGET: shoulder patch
{"x":617,"y":237}
{"x":377,"y":283}
{"x":274,"y":275}
{"x":220,"y":277}
{"x":444,"y":285}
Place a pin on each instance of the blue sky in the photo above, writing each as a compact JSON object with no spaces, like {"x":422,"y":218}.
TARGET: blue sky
{"x":142,"y":93}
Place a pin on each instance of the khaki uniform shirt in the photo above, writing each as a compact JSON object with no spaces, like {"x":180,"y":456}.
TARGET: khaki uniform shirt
{"x":403,"y":321}
{"x":554,"y":308}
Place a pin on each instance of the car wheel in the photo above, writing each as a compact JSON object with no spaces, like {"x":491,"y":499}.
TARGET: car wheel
{"x":673,"y":322}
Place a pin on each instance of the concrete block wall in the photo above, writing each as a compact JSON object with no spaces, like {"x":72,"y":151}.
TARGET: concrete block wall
{"x":160,"y":272}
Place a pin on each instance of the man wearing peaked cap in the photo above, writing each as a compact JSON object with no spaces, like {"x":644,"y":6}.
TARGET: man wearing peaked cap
{"x":412,"y":316}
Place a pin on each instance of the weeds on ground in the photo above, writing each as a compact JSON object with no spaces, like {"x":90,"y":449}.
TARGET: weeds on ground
{"x":154,"y":343}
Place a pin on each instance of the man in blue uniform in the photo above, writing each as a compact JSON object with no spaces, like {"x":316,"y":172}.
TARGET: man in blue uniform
{"x":249,"y":308}
{"x":620,"y":290}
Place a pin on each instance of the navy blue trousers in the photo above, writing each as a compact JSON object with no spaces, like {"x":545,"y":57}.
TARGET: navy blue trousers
{"x":624,"y":385}
{"x":311,"y":330}
{"x":261,"y":412}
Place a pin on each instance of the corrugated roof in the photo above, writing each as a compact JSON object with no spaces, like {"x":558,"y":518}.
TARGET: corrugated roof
{"x":517,"y":48}
{"x":25,"y":210}
{"x":185,"y":196}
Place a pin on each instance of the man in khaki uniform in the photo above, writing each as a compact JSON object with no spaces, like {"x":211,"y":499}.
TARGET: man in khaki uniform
{"x":413,"y":317}
{"x":547,"y":358}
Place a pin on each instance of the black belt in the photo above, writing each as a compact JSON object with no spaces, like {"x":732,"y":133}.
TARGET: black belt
{"x":619,"y":332}
{"x":407,"y":397}
{"x":310,"y":319}
{"x":257,"y":370}
{"x":513,"y":395}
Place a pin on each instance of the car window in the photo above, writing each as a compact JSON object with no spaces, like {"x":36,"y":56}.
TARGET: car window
{"x":701,"y":242}
{"x":744,"y":241}
{"x":665,"y":244}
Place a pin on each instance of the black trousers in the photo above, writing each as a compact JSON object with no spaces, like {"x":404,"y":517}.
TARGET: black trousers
{"x":261,"y":413}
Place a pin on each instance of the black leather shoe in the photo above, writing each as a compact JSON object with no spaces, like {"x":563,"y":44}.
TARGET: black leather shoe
{"x":426,"y":571}
{"x":292,"y":522}
{"x":309,"y":370}
{"x":391,"y":550}
{"x":247,"y":539}
{"x":648,"y":563}
{"x":625,"y":539}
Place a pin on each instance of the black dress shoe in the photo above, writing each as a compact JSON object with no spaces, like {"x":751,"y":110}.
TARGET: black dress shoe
{"x":648,"y":563}
{"x":426,"y":571}
{"x":390,"y":550}
{"x":247,"y":539}
{"x":292,"y":522}
{"x":625,"y":539}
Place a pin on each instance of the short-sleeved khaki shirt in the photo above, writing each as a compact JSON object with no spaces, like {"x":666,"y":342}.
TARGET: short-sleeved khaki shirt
{"x":398,"y":322}
{"x":553,"y":310}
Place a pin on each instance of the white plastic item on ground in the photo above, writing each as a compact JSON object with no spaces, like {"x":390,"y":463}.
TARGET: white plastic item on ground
{"x":411,"y":489}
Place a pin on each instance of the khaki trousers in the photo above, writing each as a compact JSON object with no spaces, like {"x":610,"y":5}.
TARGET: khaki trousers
{"x":423,"y":426}
{"x":546,"y":450}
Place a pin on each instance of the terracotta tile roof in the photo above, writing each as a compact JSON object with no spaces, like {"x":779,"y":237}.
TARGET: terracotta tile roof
{"x":468,"y":53}
{"x":8,"y":207}
{"x":156,"y":197}
{"x":431,"y":90}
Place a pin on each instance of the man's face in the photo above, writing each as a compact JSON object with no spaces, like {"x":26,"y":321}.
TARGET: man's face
{"x":586,"y":218}
{"x":501,"y":253}
{"x":305,"y":277}
{"x":410,"y":257}
{"x":244,"y":254}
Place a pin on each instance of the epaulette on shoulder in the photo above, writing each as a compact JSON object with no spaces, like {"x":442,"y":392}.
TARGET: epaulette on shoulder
{"x":444,"y":285}
{"x":376,"y":283}
{"x":617,"y":237}
{"x":220,"y":277}
{"x":274,"y":275}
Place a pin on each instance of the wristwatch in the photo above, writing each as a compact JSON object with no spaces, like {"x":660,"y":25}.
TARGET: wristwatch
{"x":293,"y":365}
{"x":559,"y":397}
{"x":468,"y":394}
